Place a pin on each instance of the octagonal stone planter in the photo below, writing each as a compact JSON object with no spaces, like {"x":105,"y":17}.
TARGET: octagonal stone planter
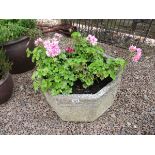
{"x":84,"y":107}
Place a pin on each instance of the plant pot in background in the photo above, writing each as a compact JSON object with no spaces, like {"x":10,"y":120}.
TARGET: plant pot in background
{"x":16,"y":52}
{"x":6,"y":88}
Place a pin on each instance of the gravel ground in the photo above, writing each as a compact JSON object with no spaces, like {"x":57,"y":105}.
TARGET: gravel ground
{"x":133,"y":111}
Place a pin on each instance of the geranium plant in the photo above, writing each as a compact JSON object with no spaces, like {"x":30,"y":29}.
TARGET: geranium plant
{"x":58,"y":69}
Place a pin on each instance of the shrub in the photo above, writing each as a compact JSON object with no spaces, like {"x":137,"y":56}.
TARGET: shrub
{"x":16,"y":28}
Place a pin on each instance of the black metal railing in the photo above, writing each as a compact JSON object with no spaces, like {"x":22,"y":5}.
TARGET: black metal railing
{"x":119,"y":32}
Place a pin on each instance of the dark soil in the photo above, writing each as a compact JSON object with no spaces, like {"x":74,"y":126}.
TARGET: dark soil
{"x":98,"y":85}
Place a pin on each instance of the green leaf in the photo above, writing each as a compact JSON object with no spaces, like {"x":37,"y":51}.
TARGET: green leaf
{"x":28,"y":52}
{"x":76,"y":35}
{"x":112,"y":74}
{"x":36,"y":85}
{"x":120,"y":62}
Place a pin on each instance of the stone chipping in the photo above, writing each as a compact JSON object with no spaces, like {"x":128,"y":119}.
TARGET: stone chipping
{"x":133,"y":111}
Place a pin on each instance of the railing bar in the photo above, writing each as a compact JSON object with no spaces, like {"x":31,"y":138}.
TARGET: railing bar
{"x":148,"y":30}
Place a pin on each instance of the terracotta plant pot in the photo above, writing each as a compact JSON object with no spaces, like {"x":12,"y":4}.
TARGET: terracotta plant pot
{"x":16,"y":52}
{"x":6,"y":88}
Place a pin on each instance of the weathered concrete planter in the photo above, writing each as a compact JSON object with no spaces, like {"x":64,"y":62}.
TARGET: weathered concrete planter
{"x":84,"y":107}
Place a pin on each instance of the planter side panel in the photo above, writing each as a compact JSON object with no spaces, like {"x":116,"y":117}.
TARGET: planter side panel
{"x":85,"y":108}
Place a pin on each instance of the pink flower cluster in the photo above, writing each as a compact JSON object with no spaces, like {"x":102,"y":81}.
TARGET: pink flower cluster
{"x":132,"y":48}
{"x":92,"y":40}
{"x":138,"y":54}
{"x":38,"y":42}
{"x":52,"y":48}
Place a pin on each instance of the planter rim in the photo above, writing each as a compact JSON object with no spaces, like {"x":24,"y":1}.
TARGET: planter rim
{"x":14,"y":41}
{"x":100,"y":93}
{"x":4,"y":78}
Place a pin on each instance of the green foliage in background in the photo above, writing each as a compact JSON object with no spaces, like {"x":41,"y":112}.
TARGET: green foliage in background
{"x":12,"y":29}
